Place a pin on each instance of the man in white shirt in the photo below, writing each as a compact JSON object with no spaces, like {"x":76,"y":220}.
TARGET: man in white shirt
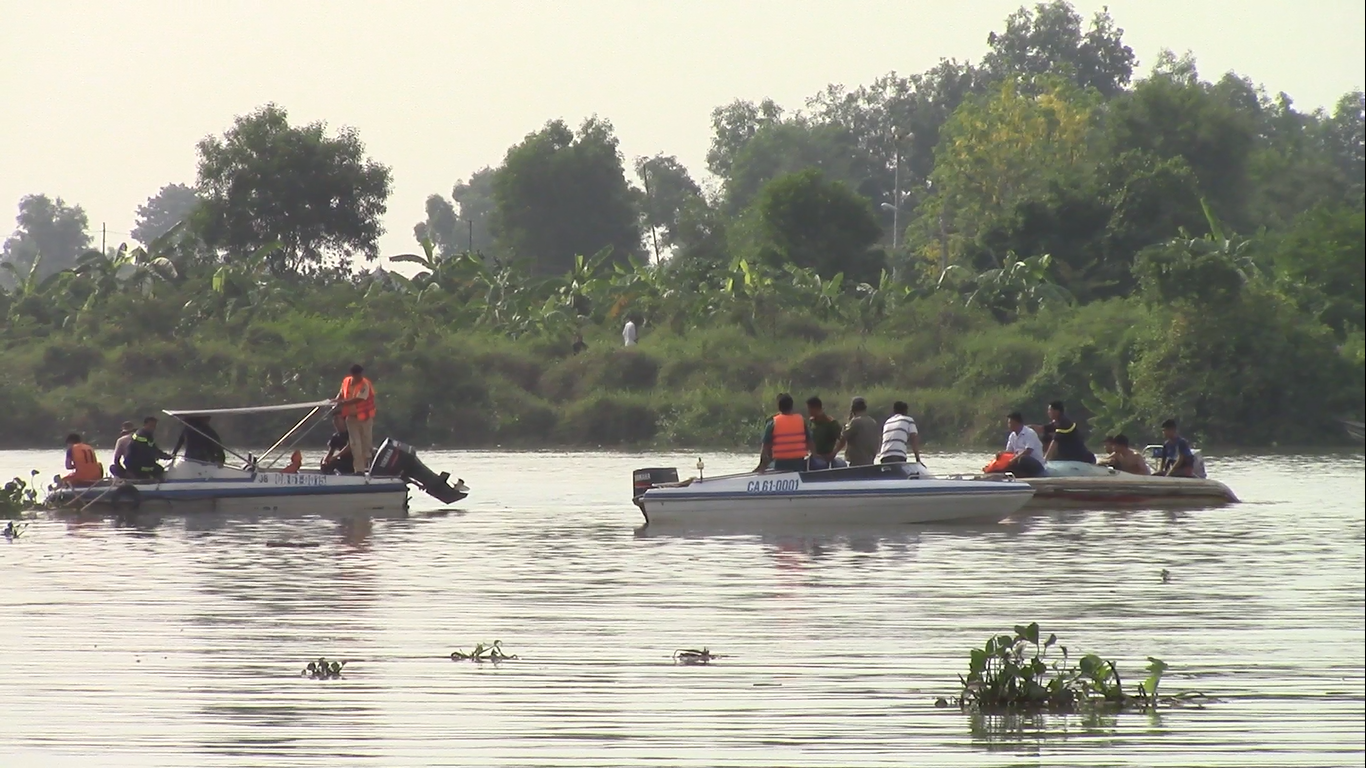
{"x":898,"y":434}
{"x":116,"y":467}
{"x":1024,"y":442}
{"x":628,"y":334}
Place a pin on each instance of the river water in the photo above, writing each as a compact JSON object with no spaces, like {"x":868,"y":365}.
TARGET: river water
{"x":180,"y":642}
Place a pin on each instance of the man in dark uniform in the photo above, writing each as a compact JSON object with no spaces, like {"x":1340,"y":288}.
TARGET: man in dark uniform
{"x":1065,"y":441}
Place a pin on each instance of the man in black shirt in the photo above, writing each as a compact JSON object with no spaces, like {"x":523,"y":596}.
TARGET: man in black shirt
{"x":200,"y":441}
{"x":338,"y":460}
{"x":1064,"y":438}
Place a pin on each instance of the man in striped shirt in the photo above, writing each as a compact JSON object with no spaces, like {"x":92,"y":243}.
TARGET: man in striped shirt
{"x":898,"y":434}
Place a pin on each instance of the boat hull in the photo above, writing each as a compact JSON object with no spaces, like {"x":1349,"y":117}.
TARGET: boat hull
{"x":818,"y":499}
{"x":191,"y":487}
{"x":1129,"y":491}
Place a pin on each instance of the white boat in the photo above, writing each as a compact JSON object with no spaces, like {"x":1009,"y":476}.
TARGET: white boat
{"x":1080,"y":484}
{"x":256,"y":486}
{"x":882,"y":494}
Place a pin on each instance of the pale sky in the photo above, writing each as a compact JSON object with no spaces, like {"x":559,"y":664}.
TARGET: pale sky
{"x":102,"y":102}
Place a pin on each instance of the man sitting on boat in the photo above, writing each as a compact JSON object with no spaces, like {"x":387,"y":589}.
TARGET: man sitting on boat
{"x":1124,"y":458}
{"x":787,"y":439}
{"x":1178,"y":460}
{"x":1065,"y":442}
{"x":861,"y":437}
{"x":116,"y":467}
{"x":143,"y":453}
{"x":80,"y":459}
{"x":898,"y":434}
{"x":1025,"y":448}
{"x":338,"y":460}
{"x":200,"y":441}
{"x":825,"y":436}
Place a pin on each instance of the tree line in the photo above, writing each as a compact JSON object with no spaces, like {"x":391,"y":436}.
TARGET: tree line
{"x":1213,"y":232}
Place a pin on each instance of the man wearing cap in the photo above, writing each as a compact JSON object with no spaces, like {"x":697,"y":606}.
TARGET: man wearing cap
{"x":861,"y":437}
{"x":116,"y":467}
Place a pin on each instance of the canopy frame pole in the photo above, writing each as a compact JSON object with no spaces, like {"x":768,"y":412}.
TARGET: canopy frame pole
{"x":288,"y":434}
{"x":188,"y":425}
{"x":297,"y":440}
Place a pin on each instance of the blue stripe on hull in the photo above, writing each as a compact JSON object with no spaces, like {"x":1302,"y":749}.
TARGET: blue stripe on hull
{"x":266,"y":493}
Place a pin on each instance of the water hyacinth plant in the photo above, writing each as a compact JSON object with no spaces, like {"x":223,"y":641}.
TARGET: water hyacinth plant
{"x":18,"y":496}
{"x":482,"y":653}
{"x":322,"y":669}
{"x":1023,"y":672}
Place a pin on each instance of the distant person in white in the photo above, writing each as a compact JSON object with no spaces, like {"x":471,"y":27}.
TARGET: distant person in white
{"x":899,"y":433}
{"x":1024,"y":442}
{"x":628,"y":334}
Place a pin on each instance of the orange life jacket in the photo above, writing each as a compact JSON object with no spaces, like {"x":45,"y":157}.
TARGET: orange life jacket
{"x":365,"y":409}
{"x":789,"y":436}
{"x":1000,"y":463}
{"x":86,"y":468}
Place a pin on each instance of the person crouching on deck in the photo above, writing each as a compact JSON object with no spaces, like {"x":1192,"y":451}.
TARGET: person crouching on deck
{"x":787,"y":439}
{"x":357,"y":401}
{"x":80,"y":459}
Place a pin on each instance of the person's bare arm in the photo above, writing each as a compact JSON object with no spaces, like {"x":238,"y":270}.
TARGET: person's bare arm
{"x":915,"y":445}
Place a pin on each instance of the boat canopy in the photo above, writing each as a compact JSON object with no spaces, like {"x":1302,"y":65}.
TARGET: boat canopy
{"x":249,"y":409}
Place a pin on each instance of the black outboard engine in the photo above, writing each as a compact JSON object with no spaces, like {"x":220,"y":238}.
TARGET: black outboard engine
{"x":643,"y":480}
{"x":395,"y":459}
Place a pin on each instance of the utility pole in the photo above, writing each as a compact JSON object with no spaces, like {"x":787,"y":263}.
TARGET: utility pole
{"x":103,"y":232}
{"x":654,"y":236}
{"x":471,"y":223}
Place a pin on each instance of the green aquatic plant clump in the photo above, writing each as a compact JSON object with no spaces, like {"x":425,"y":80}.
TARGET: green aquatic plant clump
{"x":692,"y":657}
{"x":322,"y":669}
{"x":19,"y":496}
{"x":481,"y":653}
{"x":1023,"y":672}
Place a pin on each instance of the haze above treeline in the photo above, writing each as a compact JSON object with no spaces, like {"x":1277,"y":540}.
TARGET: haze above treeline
{"x":978,"y":238}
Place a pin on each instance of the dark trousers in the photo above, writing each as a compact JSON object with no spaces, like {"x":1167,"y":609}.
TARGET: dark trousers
{"x":893,"y":460}
{"x":1025,"y":466}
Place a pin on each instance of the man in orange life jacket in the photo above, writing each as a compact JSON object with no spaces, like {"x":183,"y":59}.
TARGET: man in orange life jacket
{"x":80,"y":459}
{"x":787,"y":439}
{"x":357,"y":401}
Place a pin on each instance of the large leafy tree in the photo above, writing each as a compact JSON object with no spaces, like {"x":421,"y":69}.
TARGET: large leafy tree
{"x":669,"y":190}
{"x":47,"y":228}
{"x":171,"y":205}
{"x":266,"y":181}
{"x":799,"y":144}
{"x":1011,"y":146}
{"x":442,"y":228}
{"x":559,"y":194}
{"x":810,"y":221}
{"x":1049,"y":41}
{"x":733,"y":125}
{"x":475,"y":204}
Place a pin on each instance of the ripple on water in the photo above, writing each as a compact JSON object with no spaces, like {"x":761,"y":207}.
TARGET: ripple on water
{"x":180,"y":641}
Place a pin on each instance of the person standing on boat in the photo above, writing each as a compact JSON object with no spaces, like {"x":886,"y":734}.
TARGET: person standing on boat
{"x":861,"y":437}
{"x":1024,"y":443}
{"x":1064,"y":437}
{"x":200,"y":441}
{"x":116,"y":467}
{"x":787,"y":439}
{"x":899,"y":434}
{"x":357,"y":401}
{"x":80,"y":459}
{"x":143,"y":453}
{"x":1178,"y":460}
{"x":825,"y":436}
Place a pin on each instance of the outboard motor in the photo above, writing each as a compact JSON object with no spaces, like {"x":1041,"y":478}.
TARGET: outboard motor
{"x":643,"y":480}
{"x":395,"y":459}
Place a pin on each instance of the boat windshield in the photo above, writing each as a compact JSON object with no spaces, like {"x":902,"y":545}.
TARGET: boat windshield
{"x":896,"y":471}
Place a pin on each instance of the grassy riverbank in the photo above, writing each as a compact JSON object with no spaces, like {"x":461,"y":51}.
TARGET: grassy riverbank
{"x":1122,"y":365}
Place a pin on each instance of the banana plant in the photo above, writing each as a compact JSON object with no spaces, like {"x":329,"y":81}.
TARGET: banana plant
{"x":1017,"y":286}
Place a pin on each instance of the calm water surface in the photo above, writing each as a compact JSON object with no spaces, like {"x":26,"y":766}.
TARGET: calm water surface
{"x":179,"y":642}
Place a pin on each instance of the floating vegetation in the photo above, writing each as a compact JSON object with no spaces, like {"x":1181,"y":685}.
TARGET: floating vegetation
{"x":293,"y":544}
{"x":483,"y":653}
{"x":18,"y":496}
{"x":1020,"y":673}
{"x":322,"y":669}
{"x":13,"y":531}
{"x":1166,"y":575}
{"x":689,"y":656}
